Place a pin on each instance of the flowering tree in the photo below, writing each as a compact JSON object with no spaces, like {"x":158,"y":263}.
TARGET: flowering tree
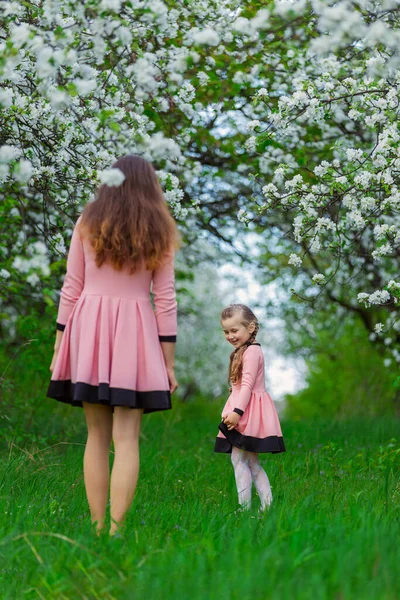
{"x":316,"y":83}
{"x":325,"y":142}
{"x":80,"y":85}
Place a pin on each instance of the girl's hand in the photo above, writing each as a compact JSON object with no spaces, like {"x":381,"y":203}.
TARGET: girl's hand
{"x":231,"y":420}
{"x":173,"y":383}
{"x":53,"y":360}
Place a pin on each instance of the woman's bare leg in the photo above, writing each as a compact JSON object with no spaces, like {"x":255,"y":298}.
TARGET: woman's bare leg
{"x":125,"y":471}
{"x":96,"y":460}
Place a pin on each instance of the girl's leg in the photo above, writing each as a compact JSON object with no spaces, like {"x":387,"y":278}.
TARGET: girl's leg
{"x":240,"y":461}
{"x":125,"y":471}
{"x":96,"y":459}
{"x":260,"y":480}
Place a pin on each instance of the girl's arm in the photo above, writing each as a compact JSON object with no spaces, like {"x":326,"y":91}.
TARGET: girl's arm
{"x":251,"y":361}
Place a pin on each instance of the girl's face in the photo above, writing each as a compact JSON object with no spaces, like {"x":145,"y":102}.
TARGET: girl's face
{"x":236,"y":333}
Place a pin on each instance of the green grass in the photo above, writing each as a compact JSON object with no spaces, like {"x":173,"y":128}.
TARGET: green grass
{"x":332,"y":532}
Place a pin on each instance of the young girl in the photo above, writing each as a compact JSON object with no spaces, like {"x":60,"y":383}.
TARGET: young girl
{"x":249,"y":421}
{"x":112,"y":354}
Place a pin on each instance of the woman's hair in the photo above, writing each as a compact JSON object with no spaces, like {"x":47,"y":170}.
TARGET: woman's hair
{"x":131,"y":223}
{"x":236,"y":358}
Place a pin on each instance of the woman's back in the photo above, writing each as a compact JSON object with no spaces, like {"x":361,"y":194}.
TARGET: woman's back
{"x":110,"y":352}
{"x":107,"y":281}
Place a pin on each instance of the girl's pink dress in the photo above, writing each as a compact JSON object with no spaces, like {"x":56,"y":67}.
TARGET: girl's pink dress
{"x":110,"y":351}
{"x":258,"y":429}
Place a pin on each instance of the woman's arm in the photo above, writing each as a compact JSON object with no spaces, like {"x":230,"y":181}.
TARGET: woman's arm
{"x":166,"y":314}
{"x":74,"y":279}
{"x":72,"y":288}
{"x":165,"y":299}
{"x":168,"y":350}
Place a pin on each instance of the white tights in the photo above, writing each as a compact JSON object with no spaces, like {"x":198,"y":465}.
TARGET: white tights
{"x":248,"y":471}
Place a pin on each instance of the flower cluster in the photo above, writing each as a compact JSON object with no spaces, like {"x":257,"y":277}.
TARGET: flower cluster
{"x":80,"y":85}
{"x":327,"y":144}
{"x":285,"y":116}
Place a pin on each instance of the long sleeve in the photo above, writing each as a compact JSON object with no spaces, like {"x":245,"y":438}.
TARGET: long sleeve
{"x":250,"y":369}
{"x":74,"y":279}
{"x":165,"y":300}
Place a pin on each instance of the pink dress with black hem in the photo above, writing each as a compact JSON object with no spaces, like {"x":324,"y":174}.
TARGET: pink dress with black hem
{"x":258,"y":429}
{"x":110,"y":352}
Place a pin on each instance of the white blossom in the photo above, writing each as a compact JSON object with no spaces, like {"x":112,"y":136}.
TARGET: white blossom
{"x":6,"y":97}
{"x":38,"y":261}
{"x":319,"y":278}
{"x":295,"y":182}
{"x":84,"y":86}
{"x":380,"y":231}
{"x":114,"y":5}
{"x":251,"y":125}
{"x":23,"y":171}
{"x":206,"y":37}
{"x":242,"y":216}
{"x":356,"y":219}
{"x":59,"y":244}
{"x":112,"y":177}
{"x":187,"y":92}
{"x":321,"y":169}
{"x":393,"y":285}
{"x":8,"y":153}
{"x":354,"y":154}
{"x":295,"y":260}
{"x":33,"y":279}
{"x":203,"y":77}
{"x":362,"y":297}
{"x":270,"y":189}
{"x":251,"y":144}
{"x":379,"y":297}
{"x":383,"y":250}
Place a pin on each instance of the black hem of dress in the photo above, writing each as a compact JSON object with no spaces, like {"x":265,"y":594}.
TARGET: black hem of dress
{"x":76,"y":393}
{"x":272,"y":443}
{"x":60,"y":327}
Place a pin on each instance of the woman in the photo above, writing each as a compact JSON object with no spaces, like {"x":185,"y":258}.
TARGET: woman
{"x":112,"y":354}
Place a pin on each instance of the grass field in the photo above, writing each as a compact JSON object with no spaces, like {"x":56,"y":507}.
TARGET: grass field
{"x":332,"y":532}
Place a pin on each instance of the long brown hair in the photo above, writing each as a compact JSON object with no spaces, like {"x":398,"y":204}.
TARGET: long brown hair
{"x":131,"y":223}
{"x":236,"y":358}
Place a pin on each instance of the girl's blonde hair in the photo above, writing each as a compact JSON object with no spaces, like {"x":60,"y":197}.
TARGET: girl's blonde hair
{"x":236,"y":358}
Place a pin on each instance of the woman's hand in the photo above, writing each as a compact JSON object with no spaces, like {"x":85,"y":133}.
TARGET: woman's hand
{"x":57,"y":345}
{"x":173,"y":383}
{"x":231,"y":420}
{"x":53,"y":360}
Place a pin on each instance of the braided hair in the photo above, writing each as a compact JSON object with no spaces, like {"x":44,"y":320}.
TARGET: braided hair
{"x":236,"y":358}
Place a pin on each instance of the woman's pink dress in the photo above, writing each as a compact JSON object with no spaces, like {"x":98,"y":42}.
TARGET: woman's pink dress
{"x":258,"y":429}
{"x":110,"y":351}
